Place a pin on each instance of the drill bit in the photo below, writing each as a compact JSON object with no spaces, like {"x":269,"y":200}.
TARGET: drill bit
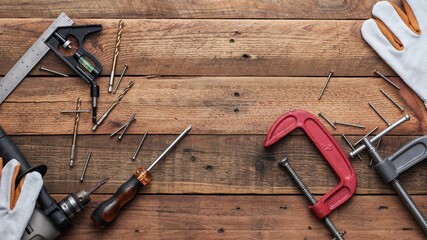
{"x":116,"y":53}
{"x":127,"y":126}
{"x":140,"y":145}
{"x":94,"y":188}
{"x":113,"y":105}
{"x":85,"y":167}
{"x":76,"y":124}
{"x":120,"y":79}
{"x":54,"y":72}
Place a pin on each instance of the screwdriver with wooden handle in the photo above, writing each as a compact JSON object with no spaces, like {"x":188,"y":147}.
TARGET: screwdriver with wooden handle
{"x":107,"y":211}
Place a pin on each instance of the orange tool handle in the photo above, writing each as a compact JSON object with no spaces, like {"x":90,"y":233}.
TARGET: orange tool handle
{"x":108,"y":210}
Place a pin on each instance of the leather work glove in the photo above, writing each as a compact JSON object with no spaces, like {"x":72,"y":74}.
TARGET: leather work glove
{"x":17,"y":205}
{"x":401,"y":40}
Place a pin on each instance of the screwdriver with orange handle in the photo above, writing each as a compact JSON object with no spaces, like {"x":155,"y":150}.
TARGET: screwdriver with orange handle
{"x":107,"y":211}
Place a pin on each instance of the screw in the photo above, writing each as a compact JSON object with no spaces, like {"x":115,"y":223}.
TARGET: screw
{"x":398,"y":187}
{"x":351,"y":145}
{"x":385,"y":78}
{"x":349,"y":124}
{"x":381,"y":116}
{"x":391,"y":99}
{"x":285,"y":164}
{"x":327,"y":120}
{"x":326,"y":83}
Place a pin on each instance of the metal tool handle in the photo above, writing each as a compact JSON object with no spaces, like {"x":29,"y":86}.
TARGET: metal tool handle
{"x":403,"y":159}
{"x":381,"y":134}
{"x":330,"y":150}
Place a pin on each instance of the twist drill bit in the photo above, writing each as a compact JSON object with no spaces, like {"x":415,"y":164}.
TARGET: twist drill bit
{"x":116,"y":53}
{"x":113,"y":105}
{"x":76,"y":124}
{"x":94,"y":188}
{"x":76,"y":111}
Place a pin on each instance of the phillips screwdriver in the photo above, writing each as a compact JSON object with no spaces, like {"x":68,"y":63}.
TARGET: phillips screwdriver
{"x":107,"y":211}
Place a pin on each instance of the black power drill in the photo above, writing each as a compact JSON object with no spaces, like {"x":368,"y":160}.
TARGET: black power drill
{"x":51,"y":218}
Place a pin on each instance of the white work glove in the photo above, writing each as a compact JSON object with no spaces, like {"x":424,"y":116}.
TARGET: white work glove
{"x":17,"y":205}
{"x":401,"y":40}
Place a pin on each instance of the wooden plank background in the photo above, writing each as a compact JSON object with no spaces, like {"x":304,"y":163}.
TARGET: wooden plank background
{"x":230,"y":68}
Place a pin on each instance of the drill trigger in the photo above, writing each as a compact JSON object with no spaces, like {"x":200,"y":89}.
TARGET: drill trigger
{"x":330,"y":151}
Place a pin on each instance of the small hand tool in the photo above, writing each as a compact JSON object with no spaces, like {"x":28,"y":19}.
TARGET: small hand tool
{"x":85,"y":167}
{"x":116,"y":53}
{"x":113,"y":105}
{"x":76,"y":111}
{"x":76,"y":125}
{"x":385,"y":78}
{"x":351,"y":145}
{"x":392,"y":100}
{"x":54,"y":72}
{"x":349,"y":124}
{"x":120,"y":79}
{"x":140,"y":145}
{"x":369,"y":133}
{"x":326,"y":84}
{"x":327,"y":120}
{"x":379,"y":114}
{"x":331,"y":152}
{"x":127,"y":126}
{"x":390,"y":168}
{"x":50,"y":218}
{"x":30,"y":59}
{"x":107,"y":211}
{"x":80,"y":61}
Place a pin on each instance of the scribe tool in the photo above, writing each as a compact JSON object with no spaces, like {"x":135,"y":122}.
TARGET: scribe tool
{"x":107,"y":211}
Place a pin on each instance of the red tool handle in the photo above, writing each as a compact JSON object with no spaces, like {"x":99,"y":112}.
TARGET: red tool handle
{"x":329,"y":149}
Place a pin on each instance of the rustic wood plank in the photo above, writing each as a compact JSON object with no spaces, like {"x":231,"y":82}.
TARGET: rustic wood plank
{"x":309,"y":9}
{"x":207,"y":164}
{"x":248,"y":217}
{"x":213,"y":105}
{"x":212,"y":47}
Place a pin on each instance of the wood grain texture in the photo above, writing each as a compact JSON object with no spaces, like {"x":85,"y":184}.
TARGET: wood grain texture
{"x":248,"y":217}
{"x":308,"y":9}
{"x":213,"y":105}
{"x":206,"y":164}
{"x":211,"y":47}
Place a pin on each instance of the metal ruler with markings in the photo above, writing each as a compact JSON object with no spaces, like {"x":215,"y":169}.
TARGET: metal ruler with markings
{"x":27,"y":62}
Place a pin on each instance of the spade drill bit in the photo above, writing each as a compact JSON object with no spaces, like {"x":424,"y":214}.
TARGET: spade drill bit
{"x":116,"y":53}
{"x":113,"y":105}
{"x":76,"y":124}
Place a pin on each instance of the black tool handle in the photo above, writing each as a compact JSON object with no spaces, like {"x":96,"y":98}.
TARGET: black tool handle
{"x":107,"y":211}
{"x":9,"y":151}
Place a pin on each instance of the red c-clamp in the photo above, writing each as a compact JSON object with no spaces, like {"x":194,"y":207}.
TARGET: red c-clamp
{"x":329,"y":149}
